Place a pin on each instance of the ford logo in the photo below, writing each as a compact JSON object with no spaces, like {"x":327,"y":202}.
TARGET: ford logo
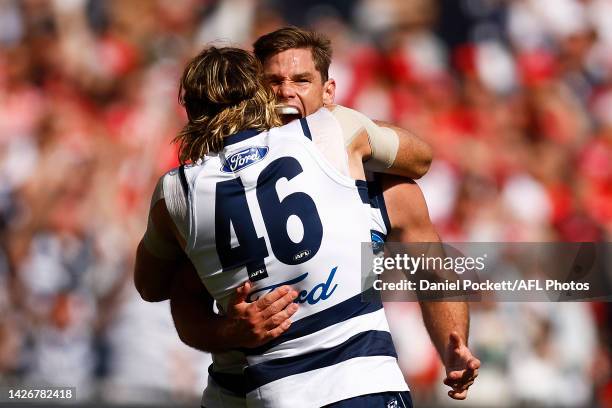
{"x":244,"y":158}
{"x":320,"y":291}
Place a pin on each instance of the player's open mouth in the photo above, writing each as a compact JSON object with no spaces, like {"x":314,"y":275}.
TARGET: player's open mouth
{"x":287,"y":110}
{"x":288,"y":113}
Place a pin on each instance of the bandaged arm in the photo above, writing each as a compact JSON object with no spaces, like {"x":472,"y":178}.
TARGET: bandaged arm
{"x":384,"y":147}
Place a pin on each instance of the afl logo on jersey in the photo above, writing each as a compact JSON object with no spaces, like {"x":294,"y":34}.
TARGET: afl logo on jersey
{"x":301,"y":255}
{"x":244,"y":158}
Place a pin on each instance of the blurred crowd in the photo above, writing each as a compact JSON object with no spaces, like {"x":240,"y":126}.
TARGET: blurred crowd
{"x":515,"y":96}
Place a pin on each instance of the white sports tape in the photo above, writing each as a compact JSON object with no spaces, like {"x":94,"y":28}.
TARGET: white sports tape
{"x":384,"y":142}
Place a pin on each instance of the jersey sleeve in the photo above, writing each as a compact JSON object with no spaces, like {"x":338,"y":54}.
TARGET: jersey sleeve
{"x":328,"y":137}
{"x":176,"y":197}
{"x":169,"y":189}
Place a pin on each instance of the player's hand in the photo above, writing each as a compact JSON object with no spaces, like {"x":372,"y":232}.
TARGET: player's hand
{"x":461,"y":367}
{"x":254,"y":324}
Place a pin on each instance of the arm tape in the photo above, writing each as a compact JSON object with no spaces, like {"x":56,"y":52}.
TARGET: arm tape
{"x":384,"y":142}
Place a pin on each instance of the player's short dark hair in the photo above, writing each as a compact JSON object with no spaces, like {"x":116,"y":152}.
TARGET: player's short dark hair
{"x":287,"y":38}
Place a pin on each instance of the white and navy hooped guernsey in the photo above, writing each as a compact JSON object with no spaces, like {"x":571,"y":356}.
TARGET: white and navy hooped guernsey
{"x":270,"y":208}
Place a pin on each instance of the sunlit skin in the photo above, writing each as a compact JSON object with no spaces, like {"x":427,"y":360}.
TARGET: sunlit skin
{"x":293,"y":77}
{"x":296,"y":82}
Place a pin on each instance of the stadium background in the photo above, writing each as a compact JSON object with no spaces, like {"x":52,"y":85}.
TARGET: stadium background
{"x":515,"y":97}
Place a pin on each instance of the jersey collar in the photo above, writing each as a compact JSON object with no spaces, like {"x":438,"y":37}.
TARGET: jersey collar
{"x":240,"y":136}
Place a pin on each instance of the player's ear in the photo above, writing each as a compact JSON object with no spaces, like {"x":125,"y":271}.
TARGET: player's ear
{"x":329,"y":91}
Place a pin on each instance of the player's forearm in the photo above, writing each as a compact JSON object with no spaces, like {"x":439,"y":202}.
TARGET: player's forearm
{"x":191,"y":306}
{"x":198,"y":326}
{"x":442,"y":318}
{"x":414,"y":156}
{"x":415,"y":226}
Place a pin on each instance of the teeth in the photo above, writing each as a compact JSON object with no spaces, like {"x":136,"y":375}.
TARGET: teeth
{"x":287,"y":110}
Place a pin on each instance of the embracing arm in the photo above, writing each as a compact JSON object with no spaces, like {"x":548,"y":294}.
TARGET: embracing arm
{"x":447,"y":322}
{"x":191,"y":305}
{"x":414,"y":155}
{"x":244,"y":325}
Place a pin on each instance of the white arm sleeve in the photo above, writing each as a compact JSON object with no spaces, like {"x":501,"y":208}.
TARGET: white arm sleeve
{"x":168,"y":188}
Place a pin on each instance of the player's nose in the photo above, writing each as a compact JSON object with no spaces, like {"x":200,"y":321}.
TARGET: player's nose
{"x":285,"y":91}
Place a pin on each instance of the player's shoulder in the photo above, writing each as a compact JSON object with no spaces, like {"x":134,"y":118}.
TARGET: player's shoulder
{"x":324,"y":113}
{"x":323,"y":118}
{"x":293,"y":126}
{"x":186,"y":172}
{"x":174,"y":182}
{"x":162,"y":185}
{"x":169,"y":177}
{"x":170,"y":174}
{"x":173,"y":187}
{"x":344,"y":114}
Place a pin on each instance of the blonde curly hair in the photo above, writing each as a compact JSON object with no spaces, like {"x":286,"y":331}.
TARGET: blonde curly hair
{"x":223,"y":92}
